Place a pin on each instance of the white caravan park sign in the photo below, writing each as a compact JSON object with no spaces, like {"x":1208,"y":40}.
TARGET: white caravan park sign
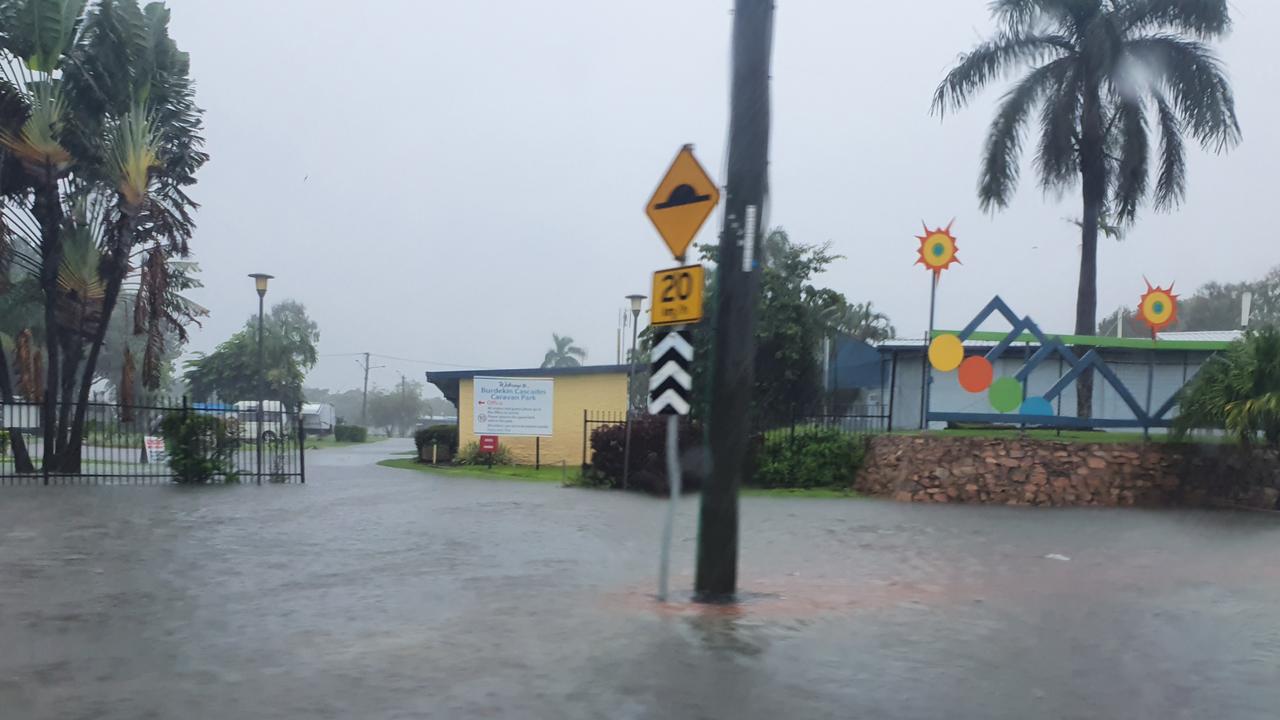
{"x":519,"y":407}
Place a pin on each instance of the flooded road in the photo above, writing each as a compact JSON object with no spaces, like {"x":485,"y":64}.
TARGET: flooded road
{"x":380,"y":593}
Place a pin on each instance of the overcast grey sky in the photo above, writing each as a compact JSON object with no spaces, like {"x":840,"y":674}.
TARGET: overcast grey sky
{"x":454,"y":181}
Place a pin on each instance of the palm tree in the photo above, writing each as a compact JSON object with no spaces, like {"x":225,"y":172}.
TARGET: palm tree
{"x":1237,"y":391}
{"x":1101,"y":73}
{"x":99,"y":136}
{"x":564,"y":353}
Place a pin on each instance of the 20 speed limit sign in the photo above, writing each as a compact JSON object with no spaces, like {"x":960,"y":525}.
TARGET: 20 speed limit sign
{"x":677,"y":296}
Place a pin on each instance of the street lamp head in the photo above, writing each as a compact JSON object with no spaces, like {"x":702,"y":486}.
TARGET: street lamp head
{"x":636,"y":301}
{"x":260,"y":281}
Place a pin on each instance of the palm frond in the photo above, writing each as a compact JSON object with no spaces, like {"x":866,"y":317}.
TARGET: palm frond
{"x":993,"y":60}
{"x":1022,"y":13}
{"x":1171,"y":181}
{"x":132,"y":156}
{"x":126,"y":390}
{"x":1132,"y":173}
{"x":41,"y":31}
{"x":1058,"y":154}
{"x":1202,"y":18}
{"x":1196,"y":82}
{"x":1000,"y":161}
{"x":36,"y":142}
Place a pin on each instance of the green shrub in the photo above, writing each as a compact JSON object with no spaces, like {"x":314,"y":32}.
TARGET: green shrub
{"x":200,"y":447}
{"x":471,"y":455}
{"x":4,"y":442}
{"x":1237,"y":391}
{"x":648,"y":456}
{"x":811,"y":457}
{"x":351,"y":433}
{"x":446,"y":436}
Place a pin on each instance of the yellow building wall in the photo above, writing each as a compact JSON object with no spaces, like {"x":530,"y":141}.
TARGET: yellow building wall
{"x":572,"y":395}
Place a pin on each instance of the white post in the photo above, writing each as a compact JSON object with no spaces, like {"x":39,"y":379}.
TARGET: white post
{"x":673,"y":474}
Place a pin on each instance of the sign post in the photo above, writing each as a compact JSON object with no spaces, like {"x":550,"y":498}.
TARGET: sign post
{"x":670,"y":394}
{"x":683,"y":201}
{"x":489,"y":447}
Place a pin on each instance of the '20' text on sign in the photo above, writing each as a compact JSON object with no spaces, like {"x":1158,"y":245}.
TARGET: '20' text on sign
{"x":677,"y":296}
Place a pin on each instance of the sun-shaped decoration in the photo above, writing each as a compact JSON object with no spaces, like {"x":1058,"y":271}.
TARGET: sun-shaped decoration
{"x":937,"y":249}
{"x":1158,"y":307}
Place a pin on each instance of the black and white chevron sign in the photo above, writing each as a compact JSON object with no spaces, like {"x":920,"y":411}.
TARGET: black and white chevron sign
{"x":670,"y":385}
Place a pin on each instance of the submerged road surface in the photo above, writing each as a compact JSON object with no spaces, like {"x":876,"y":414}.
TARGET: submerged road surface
{"x":379,"y":593}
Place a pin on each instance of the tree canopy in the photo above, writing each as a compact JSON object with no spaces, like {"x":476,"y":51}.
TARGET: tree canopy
{"x":1215,"y":306}
{"x":99,"y":138}
{"x":231,"y":372}
{"x":794,"y":316}
{"x":397,"y":408}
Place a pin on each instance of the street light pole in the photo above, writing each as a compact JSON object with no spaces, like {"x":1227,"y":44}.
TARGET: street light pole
{"x":636,"y":301}
{"x":260,"y":283}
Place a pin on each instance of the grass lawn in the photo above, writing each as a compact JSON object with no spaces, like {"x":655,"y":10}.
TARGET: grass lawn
{"x":808,"y":493}
{"x":321,"y":443}
{"x":523,"y":473}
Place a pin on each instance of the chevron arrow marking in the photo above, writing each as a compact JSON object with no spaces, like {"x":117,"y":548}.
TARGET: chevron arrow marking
{"x":669,"y":402}
{"x":673,"y":341}
{"x":673,"y":371}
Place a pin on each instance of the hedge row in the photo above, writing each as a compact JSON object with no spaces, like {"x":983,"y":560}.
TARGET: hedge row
{"x":350,"y":433}
{"x":807,"y":457}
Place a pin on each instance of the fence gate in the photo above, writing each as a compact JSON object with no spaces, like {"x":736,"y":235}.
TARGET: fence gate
{"x":124,"y":445}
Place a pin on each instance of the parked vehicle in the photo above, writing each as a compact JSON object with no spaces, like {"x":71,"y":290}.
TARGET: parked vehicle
{"x":275,"y":420}
{"x":318,"y":419}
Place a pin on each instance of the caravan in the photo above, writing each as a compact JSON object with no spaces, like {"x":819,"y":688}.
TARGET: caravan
{"x":318,"y":419}
{"x":275,"y":420}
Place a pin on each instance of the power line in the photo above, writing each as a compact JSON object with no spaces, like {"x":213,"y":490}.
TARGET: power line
{"x":408,"y":360}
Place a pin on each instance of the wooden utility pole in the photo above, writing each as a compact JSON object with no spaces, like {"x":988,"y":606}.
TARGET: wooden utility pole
{"x":364,"y":402}
{"x":733,"y":363}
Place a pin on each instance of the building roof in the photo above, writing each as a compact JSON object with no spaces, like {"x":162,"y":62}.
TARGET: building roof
{"x":1211,"y":341}
{"x":528,"y":372}
{"x":1215,"y":336}
{"x":448,"y":381}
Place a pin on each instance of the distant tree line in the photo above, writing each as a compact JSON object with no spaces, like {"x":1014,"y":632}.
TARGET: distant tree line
{"x":1215,"y":306}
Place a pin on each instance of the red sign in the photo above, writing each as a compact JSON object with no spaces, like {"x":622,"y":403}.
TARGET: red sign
{"x":488,"y":443}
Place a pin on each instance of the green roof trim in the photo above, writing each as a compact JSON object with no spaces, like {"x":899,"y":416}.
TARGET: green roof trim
{"x":1101,"y":341}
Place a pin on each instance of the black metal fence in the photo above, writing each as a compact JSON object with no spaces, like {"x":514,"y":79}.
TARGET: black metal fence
{"x":592,"y":419}
{"x":868,"y":420}
{"x":126,"y":445}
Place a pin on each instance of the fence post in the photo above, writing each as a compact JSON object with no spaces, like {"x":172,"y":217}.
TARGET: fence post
{"x":302,"y":450}
{"x":185,"y":429}
{"x":584,"y":437}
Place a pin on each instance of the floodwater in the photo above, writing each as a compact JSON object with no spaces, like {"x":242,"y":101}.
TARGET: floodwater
{"x":379,"y":593}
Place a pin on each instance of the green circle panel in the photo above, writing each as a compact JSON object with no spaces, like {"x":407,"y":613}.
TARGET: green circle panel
{"x":1005,"y":394}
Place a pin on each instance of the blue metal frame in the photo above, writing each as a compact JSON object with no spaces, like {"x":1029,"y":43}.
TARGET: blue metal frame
{"x":1050,"y":346}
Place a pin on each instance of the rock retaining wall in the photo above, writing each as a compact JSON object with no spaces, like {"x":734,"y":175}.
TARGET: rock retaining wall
{"x":934,"y":468}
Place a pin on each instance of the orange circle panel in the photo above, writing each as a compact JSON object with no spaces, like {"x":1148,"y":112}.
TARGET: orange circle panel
{"x":976,"y":374}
